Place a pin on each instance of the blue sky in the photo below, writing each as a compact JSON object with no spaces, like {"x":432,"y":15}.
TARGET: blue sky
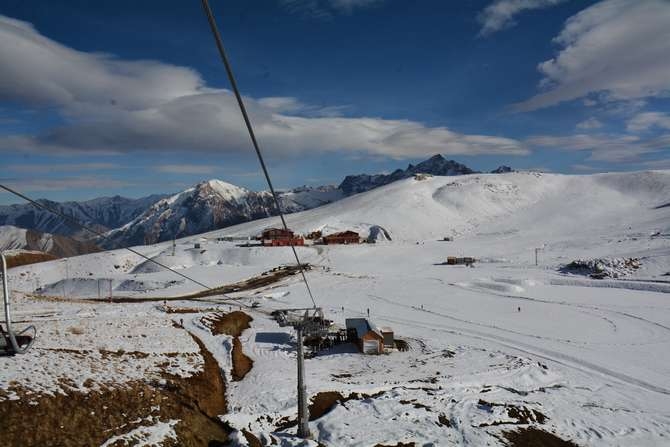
{"x":130,"y":98}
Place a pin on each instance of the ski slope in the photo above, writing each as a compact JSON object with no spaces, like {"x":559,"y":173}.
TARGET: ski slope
{"x":591,"y":355}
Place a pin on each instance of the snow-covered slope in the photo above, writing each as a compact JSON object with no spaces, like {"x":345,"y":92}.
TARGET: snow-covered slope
{"x":535,"y":203}
{"x":486,"y":343}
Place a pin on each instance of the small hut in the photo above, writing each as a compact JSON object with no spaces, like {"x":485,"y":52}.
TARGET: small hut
{"x":280,"y":237}
{"x":368,"y":339}
{"x":344,"y":237}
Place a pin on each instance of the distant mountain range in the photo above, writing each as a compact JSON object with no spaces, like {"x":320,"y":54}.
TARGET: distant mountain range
{"x":204,"y":207}
{"x":102,"y":214}
{"x":208,"y":206}
{"x":20,"y":239}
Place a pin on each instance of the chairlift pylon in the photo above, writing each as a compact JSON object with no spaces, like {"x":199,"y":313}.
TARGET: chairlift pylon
{"x":11,"y":342}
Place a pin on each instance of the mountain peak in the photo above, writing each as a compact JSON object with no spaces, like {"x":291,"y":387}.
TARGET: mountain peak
{"x":223,"y":189}
{"x":435,"y":165}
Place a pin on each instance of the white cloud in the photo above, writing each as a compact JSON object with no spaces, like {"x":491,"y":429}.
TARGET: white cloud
{"x":648,"y":120}
{"x":618,"y":47}
{"x":114,"y":106}
{"x":591,"y":123}
{"x":605,"y":147}
{"x":500,"y":14}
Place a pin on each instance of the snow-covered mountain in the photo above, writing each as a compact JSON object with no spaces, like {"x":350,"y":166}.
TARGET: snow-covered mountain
{"x":543,"y":206}
{"x":208,"y":206}
{"x":435,"y":165}
{"x":13,"y":238}
{"x":103,"y":213}
{"x":505,"y":338}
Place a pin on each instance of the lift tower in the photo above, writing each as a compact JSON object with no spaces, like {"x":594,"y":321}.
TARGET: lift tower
{"x":309,"y":323}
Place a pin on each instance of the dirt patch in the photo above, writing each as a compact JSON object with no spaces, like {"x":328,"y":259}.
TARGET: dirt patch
{"x":400,"y":444}
{"x":401,"y":345}
{"x":252,"y":440}
{"x":323,"y":403}
{"x":262,"y":280}
{"x":79,"y":419}
{"x":521,"y":414}
{"x":185,"y":310}
{"x":241,"y":363}
{"x":233,"y":323}
{"x":26,"y":258}
{"x":535,"y":437}
{"x":443,"y":420}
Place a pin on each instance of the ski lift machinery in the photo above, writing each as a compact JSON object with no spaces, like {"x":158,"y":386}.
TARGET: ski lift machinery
{"x":12,"y":342}
{"x":307,"y":322}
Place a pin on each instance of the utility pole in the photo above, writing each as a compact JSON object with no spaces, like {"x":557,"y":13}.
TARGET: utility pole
{"x":538,"y":249}
{"x":303,"y":410}
{"x":67,"y":276}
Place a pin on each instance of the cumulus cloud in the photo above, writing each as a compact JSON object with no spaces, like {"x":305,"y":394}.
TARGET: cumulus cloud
{"x":591,"y":123}
{"x":111,"y":105}
{"x":649,"y":120}
{"x":500,"y":14}
{"x":611,"y":148}
{"x":619,"y":48}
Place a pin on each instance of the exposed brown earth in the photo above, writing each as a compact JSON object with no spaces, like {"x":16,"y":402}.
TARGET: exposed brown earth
{"x":61,"y":246}
{"x":241,"y":363}
{"x":264,"y":279}
{"x":28,"y":257}
{"x":85,"y":419}
{"x":252,"y":440}
{"x":232,"y":323}
{"x":323,"y":403}
{"x":521,"y":414}
{"x":531,"y":436}
{"x":400,"y":444}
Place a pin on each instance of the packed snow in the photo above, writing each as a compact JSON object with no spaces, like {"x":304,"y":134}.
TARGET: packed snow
{"x":586,"y":358}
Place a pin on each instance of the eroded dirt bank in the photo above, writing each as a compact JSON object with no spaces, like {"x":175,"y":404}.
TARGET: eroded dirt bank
{"x":88,"y":419}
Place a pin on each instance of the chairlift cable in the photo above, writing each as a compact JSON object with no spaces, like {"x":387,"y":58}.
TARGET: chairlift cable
{"x":97,"y":233}
{"x":252,"y":135}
